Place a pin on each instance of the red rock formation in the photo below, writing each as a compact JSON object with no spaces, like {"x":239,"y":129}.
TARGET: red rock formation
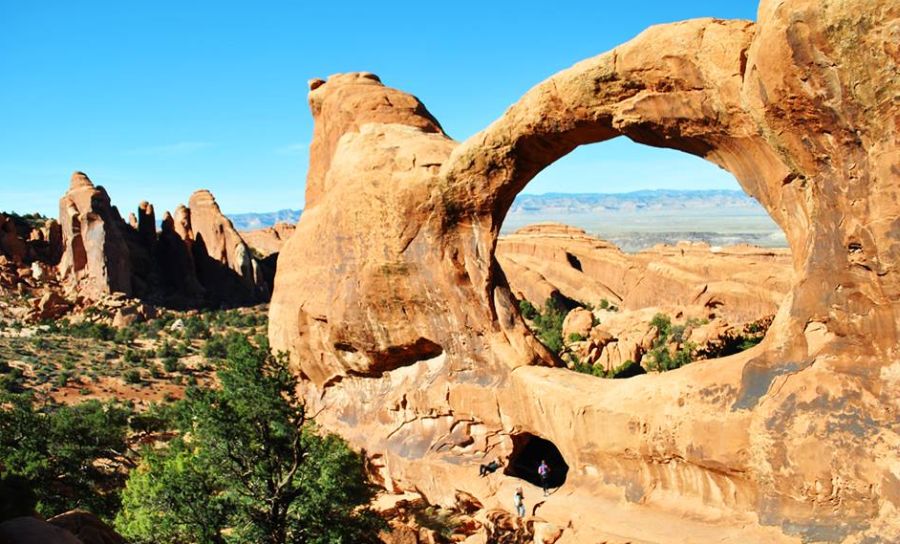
{"x":95,"y":257}
{"x":215,"y":238}
{"x":11,"y":244}
{"x":198,"y":258}
{"x":740,"y":283}
{"x":270,"y":239}
{"x":392,"y":304}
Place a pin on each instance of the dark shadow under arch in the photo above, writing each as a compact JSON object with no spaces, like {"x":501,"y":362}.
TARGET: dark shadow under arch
{"x":528,"y":452}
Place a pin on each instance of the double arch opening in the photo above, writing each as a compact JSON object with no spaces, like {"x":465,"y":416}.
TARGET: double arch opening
{"x":653,"y":106}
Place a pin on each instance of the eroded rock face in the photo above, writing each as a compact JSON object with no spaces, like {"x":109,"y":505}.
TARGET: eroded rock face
{"x":394,"y":308}
{"x":740,"y":283}
{"x":220,"y":253}
{"x":96,"y":258}
{"x":197,"y":258}
{"x":269,"y":240}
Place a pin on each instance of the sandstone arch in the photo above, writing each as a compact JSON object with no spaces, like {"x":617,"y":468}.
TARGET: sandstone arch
{"x":395,"y":251}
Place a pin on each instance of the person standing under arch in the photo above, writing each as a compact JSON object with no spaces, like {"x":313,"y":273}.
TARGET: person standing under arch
{"x":544,"y":473}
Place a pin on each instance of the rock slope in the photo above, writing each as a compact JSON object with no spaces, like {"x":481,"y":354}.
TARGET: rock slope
{"x":740,"y":283}
{"x":395,"y":310}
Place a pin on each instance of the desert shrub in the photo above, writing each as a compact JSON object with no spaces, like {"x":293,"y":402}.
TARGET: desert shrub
{"x":607,"y":305}
{"x":215,"y":348}
{"x":576,"y":337}
{"x":166,"y":350}
{"x":61,"y":379}
{"x":95,"y":331}
{"x":663,"y":324}
{"x":585,"y":368}
{"x":170,"y":364}
{"x":133,"y":356}
{"x":194,"y":327}
{"x":549,"y":324}
{"x":527,"y":309}
{"x":627,"y":369}
{"x":126,"y":335}
{"x":132,"y":376}
{"x":12,"y":381}
{"x":660,"y":358}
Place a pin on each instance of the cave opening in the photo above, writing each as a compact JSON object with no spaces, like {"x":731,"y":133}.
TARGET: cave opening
{"x":528,"y":452}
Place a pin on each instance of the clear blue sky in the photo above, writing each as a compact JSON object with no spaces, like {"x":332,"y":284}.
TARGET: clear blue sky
{"x":156,"y":99}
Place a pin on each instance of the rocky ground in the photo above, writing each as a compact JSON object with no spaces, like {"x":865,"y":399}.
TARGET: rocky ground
{"x":95,"y":353}
{"x":603,"y":310}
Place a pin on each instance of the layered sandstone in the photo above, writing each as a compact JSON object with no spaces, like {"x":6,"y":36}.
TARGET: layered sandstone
{"x":739,"y":283}
{"x":394,"y":308}
{"x":269,"y":240}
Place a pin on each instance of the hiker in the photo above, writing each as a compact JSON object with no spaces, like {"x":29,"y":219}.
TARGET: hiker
{"x":544,"y":473}
{"x":489,"y":468}
{"x":519,"y":501}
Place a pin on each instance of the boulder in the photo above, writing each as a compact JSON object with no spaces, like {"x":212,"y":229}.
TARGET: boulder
{"x":28,"y":530}
{"x":50,"y":306}
{"x":578,"y":321}
{"x":87,"y":527}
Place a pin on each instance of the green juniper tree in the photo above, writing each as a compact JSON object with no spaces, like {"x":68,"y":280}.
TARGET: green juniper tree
{"x":249,"y":467}
{"x":66,"y":455}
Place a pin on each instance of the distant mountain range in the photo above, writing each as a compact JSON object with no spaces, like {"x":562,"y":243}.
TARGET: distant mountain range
{"x":554,"y":204}
{"x":637,"y":201}
{"x":254,"y":221}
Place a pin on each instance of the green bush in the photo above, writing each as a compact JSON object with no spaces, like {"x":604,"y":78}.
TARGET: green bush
{"x":61,"y":379}
{"x":627,"y":369}
{"x":215,"y":348}
{"x":132,"y":376}
{"x":125,"y":335}
{"x":607,"y":305}
{"x":133,"y":356}
{"x":166,"y":350}
{"x":660,"y":358}
{"x":12,"y":381}
{"x":576,"y":337}
{"x":527,"y":309}
{"x":194,"y":327}
{"x":663,"y":324}
{"x":170,"y":364}
{"x":95,"y":331}
{"x":549,"y":324}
